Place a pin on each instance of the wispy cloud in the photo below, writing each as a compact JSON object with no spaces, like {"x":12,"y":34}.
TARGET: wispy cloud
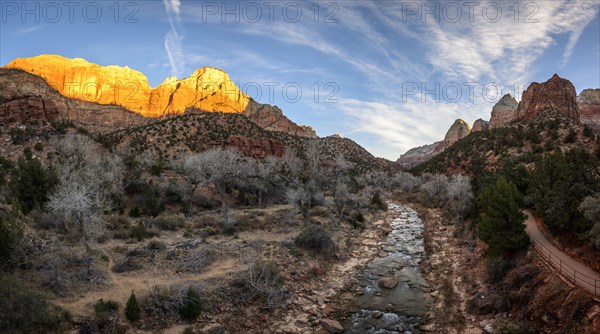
{"x":174,"y":39}
{"x":27,"y":30}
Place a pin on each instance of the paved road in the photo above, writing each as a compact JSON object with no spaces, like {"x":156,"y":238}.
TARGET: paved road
{"x":574,"y":270}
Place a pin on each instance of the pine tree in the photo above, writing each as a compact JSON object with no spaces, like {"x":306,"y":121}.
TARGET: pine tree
{"x":132,"y":309}
{"x":192,"y":305}
{"x":501,"y":224}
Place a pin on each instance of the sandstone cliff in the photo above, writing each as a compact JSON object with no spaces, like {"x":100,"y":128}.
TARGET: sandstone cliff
{"x":415,"y":156}
{"x":207,"y":89}
{"x":556,"y":94}
{"x":28,"y":99}
{"x":589,"y":108}
{"x":480,"y":125}
{"x":503,"y":112}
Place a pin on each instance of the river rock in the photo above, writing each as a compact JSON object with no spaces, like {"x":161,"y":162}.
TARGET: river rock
{"x":377,"y":314}
{"x":388,"y":282}
{"x":332,"y":326}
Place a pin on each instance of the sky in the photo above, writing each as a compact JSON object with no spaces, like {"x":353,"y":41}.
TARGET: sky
{"x":390,"y":75}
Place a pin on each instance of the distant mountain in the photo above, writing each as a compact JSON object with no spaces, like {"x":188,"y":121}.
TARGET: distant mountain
{"x":208,"y":89}
{"x":555,"y":98}
{"x":29,"y":101}
{"x":413,"y":157}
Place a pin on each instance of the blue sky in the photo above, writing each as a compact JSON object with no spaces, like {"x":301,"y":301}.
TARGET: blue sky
{"x":389,"y":74}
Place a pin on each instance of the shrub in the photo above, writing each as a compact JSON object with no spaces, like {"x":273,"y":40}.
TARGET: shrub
{"x":152,"y":206}
{"x":11,"y":234}
{"x":497,"y":267}
{"x":192,"y":305}
{"x":132,"y":309}
{"x":38,"y":146}
{"x":264,"y":278}
{"x":571,"y":136}
{"x":135,"y":212}
{"x":317,"y":239}
{"x":31,"y":184}
{"x":169,"y":222}
{"x":506,"y":326}
{"x":102,"y":307}
{"x":501,"y":223}
{"x":377,"y":202}
{"x":23,"y":310}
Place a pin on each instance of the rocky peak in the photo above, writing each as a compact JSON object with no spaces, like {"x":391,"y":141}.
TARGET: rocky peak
{"x":556,"y":94}
{"x":480,"y":125}
{"x":589,"y":108}
{"x":459,"y":130}
{"x":503,"y":112}
{"x":208,"y":88}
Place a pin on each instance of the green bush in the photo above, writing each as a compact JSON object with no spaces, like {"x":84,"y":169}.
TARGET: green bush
{"x":135,"y":212}
{"x":317,"y":239}
{"x":152,"y":206}
{"x":497,"y":268}
{"x":132,"y":309}
{"x":11,"y":233}
{"x":38,"y":146}
{"x":512,"y":327}
{"x":501,"y":222}
{"x":102,"y":307}
{"x":377,"y":202}
{"x":192,"y":305}
{"x":31,"y":183}
{"x":23,"y":310}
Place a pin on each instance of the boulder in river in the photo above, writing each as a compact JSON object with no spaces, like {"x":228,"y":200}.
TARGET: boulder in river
{"x":388,"y":282}
{"x":332,"y":326}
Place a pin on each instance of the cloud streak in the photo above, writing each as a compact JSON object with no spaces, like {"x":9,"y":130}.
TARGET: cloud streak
{"x":173,"y":39}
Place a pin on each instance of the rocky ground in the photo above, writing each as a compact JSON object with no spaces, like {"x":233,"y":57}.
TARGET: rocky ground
{"x":455,"y":273}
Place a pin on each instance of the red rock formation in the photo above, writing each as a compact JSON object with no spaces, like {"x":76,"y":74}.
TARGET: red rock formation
{"x":556,"y":94}
{"x":207,"y":89}
{"x":459,"y":130}
{"x":271,"y":118}
{"x":480,"y":125}
{"x":415,"y":156}
{"x":589,"y":108}
{"x":29,"y":98}
{"x":28,"y":110}
{"x":504,"y":112}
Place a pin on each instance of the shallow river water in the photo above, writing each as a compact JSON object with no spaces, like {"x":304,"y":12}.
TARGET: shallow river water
{"x":377,"y":310}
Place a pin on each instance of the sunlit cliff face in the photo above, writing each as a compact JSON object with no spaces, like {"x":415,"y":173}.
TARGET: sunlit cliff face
{"x":208,"y":88}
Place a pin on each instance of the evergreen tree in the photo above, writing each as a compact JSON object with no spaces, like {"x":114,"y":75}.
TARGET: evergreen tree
{"x":132,"y":309}
{"x":31,"y":184}
{"x":192,"y":305}
{"x":501,"y":222}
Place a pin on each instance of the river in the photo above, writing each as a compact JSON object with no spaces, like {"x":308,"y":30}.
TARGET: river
{"x":401,"y":309}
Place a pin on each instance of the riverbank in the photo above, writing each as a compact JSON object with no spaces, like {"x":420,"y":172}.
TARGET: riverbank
{"x":455,"y":272}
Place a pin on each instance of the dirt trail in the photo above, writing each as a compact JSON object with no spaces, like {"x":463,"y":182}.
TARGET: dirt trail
{"x":584,"y":276}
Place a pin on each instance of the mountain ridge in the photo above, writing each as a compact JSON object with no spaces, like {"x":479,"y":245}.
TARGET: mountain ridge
{"x":555,"y":97}
{"x":208,"y":89}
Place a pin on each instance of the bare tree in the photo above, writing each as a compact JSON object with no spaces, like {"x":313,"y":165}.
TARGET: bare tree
{"x":86,"y":182}
{"x":81,"y":205}
{"x":222,"y":169}
{"x":459,"y":196}
{"x":406,"y":181}
{"x":337,"y":183}
{"x":262,"y":174}
{"x":304,"y":179}
{"x":435,"y":188}
{"x":193,"y":170}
